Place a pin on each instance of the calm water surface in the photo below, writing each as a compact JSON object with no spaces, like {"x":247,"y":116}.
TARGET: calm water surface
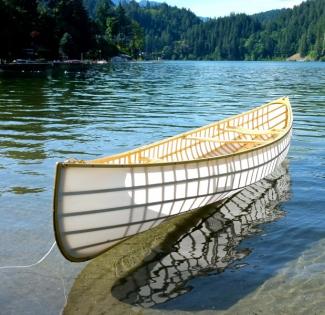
{"x":118,"y":107}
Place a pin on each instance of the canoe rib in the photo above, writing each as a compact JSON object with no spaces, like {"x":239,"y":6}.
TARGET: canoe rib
{"x":98,"y":203}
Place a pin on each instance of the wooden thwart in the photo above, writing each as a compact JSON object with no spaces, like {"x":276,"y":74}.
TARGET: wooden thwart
{"x":253,"y":132}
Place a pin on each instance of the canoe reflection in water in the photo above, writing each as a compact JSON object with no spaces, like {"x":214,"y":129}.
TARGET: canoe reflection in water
{"x":210,"y":246}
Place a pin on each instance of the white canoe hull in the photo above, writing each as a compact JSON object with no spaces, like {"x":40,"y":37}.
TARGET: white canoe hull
{"x":97,"y":205}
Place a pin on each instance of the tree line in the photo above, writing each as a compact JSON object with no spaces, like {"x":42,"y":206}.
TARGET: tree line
{"x":99,"y":29}
{"x":53,"y":29}
{"x":174,"y":33}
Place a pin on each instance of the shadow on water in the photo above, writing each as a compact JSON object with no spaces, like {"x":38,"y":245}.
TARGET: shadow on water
{"x":157,"y":267}
{"x":207,"y":248}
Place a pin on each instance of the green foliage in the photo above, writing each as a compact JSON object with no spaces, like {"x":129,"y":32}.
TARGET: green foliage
{"x":63,"y":28}
{"x":303,"y":46}
{"x":173,"y":33}
{"x":103,"y":10}
{"x":101,"y":29}
{"x":16,"y":25}
{"x":72,"y":18}
{"x":66,"y":45}
{"x":164,"y":28}
{"x":267,"y":16}
{"x":43,"y":27}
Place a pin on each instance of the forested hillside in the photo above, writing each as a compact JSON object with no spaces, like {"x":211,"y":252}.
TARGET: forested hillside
{"x":104,"y":28}
{"x":178,"y":34}
{"x":266,"y":16}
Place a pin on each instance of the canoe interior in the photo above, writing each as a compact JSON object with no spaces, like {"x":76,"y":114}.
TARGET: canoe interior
{"x":236,"y":134}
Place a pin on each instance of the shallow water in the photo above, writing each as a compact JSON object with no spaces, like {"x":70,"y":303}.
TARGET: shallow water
{"x":207,"y":247}
{"x":117,"y":107}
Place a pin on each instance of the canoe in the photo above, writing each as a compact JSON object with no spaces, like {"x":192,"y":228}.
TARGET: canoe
{"x":98,"y":203}
{"x":207,"y":246}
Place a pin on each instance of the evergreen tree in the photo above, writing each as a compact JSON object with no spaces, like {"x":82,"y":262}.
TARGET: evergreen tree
{"x":303,"y":48}
{"x":103,"y":10}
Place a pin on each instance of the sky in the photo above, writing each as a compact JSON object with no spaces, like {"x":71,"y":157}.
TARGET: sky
{"x":216,"y":8}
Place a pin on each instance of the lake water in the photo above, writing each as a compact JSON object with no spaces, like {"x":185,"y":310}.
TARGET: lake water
{"x":112,"y":108}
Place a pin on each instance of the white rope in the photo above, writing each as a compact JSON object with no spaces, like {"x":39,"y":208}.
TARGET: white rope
{"x":34,"y":264}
